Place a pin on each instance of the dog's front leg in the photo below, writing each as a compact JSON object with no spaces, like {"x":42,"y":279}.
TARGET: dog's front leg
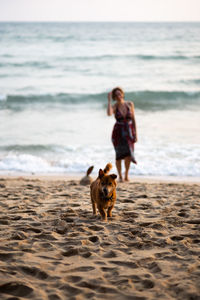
{"x":103,"y":213}
{"x":109,"y":212}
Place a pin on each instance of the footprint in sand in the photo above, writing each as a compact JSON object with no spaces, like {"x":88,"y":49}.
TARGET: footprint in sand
{"x":70,"y":290}
{"x":157,"y":226}
{"x":6,"y":256}
{"x":194,"y":221}
{"x":108,"y":269}
{"x":128,"y":264}
{"x":177,"y":238}
{"x":81,"y":269}
{"x":71,"y":252}
{"x":97,"y":287}
{"x":183,"y":214}
{"x":131,"y":214}
{"x":35,"y":272}
{"x":96,"y":228}
{"x":148,"y":284}
{"x":154,"y":267}
{"x":15,"y":218}
{"x":74,"y":279}
{"x":16,"y":289}
{"x":19,"y":236}
{"x":94,"y":239}
{"x":53,"y":297}
{"x":36,"y":230}
{"x":86,"y":254}
{"x":45,"y":236}
{"x":4,"y":222}
{"x":110,"y":254}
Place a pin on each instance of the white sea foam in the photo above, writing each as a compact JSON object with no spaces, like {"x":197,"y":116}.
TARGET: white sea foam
{"x":174,"y":161}
{"x":3,"y":97}
{"x":26,"y":163}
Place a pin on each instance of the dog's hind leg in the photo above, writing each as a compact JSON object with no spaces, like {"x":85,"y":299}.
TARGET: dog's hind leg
{"x":94,"y":207}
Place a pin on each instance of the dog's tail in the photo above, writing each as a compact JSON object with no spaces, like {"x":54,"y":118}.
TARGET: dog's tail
{"x":89,"y":171}
{"x":107,"y":169}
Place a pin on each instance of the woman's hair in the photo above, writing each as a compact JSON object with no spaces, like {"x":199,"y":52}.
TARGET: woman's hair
{"x":114,"y":92}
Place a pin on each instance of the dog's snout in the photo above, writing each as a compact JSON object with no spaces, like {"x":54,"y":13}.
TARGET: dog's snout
{"x":105,"y":191}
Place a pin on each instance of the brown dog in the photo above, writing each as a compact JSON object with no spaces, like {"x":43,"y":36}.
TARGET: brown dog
{"x":103,"y":193}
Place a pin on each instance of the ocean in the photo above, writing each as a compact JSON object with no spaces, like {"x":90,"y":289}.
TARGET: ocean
{"x":54,"y":80}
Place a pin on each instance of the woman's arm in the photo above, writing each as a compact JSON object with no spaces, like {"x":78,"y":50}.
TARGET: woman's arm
{"x":133,"y":119}
{"x":109,"y":108}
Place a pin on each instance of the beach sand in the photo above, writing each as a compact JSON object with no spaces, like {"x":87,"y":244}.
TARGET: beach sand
{"x":51,"y":246}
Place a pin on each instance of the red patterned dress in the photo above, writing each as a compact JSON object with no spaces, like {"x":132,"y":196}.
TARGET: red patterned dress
{"x":123,"y":135}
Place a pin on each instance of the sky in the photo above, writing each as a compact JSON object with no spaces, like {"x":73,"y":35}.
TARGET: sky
{"x":100,"y":10}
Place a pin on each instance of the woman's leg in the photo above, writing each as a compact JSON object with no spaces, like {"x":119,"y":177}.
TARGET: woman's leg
{"x":127,"y":162}
{"x":119,"y":169}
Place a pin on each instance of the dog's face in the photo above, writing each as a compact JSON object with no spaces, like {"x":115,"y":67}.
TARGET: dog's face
{"x":107,"y":183}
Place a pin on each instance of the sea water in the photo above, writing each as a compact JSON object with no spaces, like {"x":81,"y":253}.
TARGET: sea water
{"x":54,"y":80}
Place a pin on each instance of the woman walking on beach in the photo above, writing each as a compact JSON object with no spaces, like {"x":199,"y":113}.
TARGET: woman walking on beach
{"x":124,"y":134}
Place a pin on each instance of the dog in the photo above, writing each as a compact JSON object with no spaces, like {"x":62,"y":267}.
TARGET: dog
{"x":103,"y":192}
{"x":86,"y":180}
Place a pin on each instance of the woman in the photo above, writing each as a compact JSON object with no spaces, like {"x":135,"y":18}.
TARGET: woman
{"x":124,"y":133}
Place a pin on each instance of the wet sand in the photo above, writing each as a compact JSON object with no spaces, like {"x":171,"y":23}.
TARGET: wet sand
{"x":52,"y":247}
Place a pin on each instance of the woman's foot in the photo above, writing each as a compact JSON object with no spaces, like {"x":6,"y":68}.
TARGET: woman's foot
{"x":126,"y":179}
{"x":120,"y":179}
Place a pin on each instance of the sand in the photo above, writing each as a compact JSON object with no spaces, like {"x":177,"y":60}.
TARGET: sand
{"x":51,"y":246}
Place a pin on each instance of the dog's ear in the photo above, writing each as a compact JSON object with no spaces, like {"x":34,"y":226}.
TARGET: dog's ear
{"x":101,"y":173}
{"x":113,"y":176}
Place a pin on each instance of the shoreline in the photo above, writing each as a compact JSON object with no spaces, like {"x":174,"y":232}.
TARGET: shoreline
{"x":78,"y":176}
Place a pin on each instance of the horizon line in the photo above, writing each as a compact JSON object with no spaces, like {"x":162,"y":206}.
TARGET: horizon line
{"x":99,"y":21}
